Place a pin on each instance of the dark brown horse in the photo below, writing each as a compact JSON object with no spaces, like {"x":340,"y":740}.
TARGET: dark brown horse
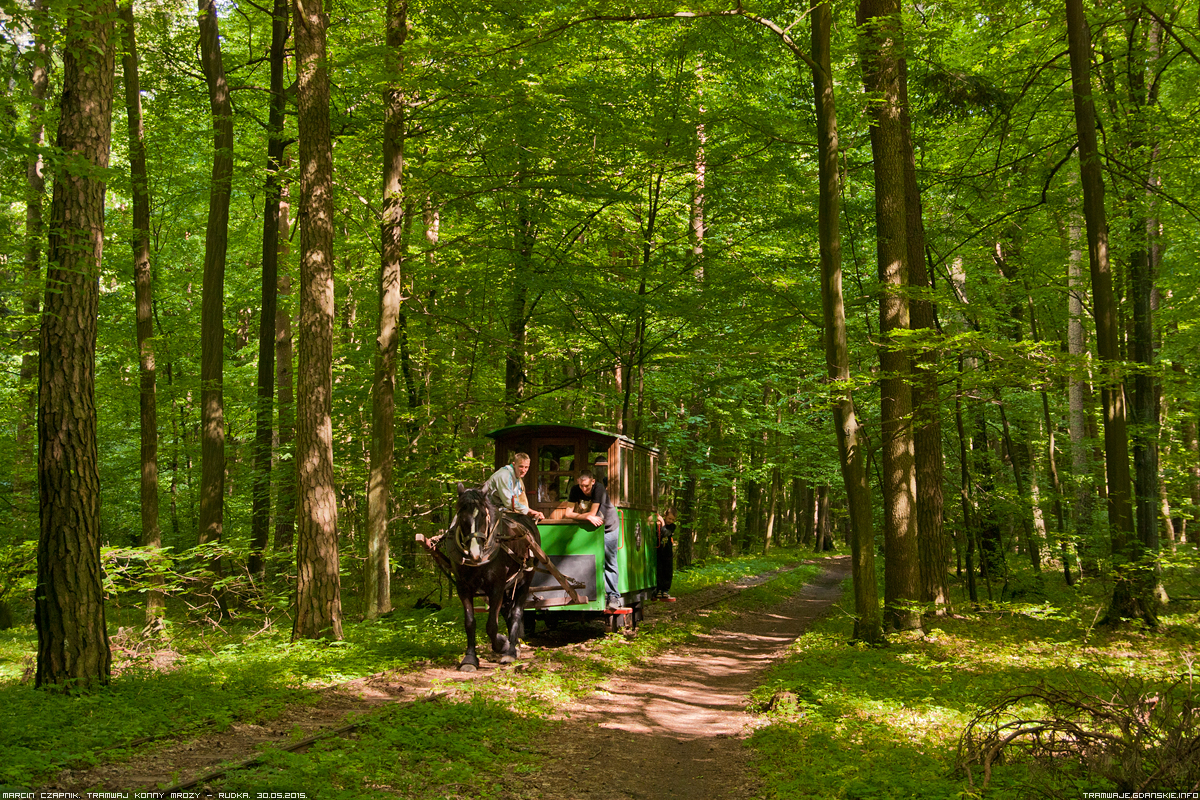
{"x":490,"y":555}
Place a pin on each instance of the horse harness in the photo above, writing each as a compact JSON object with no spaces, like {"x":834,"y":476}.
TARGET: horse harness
{"x":475,"y":551}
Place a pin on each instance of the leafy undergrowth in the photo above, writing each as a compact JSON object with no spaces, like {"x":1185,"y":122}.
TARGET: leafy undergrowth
{"x":842,"y":720}
{"x":216,"y":677}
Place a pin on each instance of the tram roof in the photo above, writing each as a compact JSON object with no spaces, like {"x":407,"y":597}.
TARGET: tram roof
{"x":557,"y":429}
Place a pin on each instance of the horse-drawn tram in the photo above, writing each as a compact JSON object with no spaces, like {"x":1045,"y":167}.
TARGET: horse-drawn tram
{"x":558,"y":453}
{"x":556,"y":567}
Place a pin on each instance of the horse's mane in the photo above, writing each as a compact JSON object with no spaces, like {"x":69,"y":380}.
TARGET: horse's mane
{"x":476,"y":496}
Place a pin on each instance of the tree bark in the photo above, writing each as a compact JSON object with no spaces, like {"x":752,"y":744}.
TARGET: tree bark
{"x":264,"y":434}
{"x":285,"y":469}
{"x":212,"y":313}
{"x":1142,"y":279}
{"x":73,"y":648}
{"x":964,"y":490}
{"x":882,"y":77}
{"x":932,"y":549}
{"x":144,"y":311}
{"x":868,"y":624}
{"x":1133,"y":588}
{"x":1077,"y":425}
{"x":318,"y":584}
{"x":377,"y":584}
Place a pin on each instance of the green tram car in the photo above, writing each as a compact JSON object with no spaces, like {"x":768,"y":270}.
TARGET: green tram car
{"x":558,"y":453}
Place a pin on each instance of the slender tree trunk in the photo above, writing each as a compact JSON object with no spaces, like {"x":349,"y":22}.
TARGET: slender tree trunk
{"x":881,"y":45}
{"x":212,"y":314}
{"x":868,"y":623}
{"x":318,"y":585}
{"x":686,"y":535}
{"x":1190,"y":433}
{"x":824,"y":534}
{"x":696,"y":226}
{"x":1133,"y":588}
{"x":964,"y":489}
{"x":1142,"y":280}
{"x":144,"y":311}
{"x":377,"y":586}
{"x":264,"y":434}
{"x":1028,"y":541}
{"x":24,"y":486}
{"x":285,"y":470}
{"x":774,"y":498}
{"x":1077,"y":425}
{"x":808,"y":513}
{"x":73,"y":649}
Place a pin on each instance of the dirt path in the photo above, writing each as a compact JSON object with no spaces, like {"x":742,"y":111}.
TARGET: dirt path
{"x":670,"y":730}
{"x":675,"y":729}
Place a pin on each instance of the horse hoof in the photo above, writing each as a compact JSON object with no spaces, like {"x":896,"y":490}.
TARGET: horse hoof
{"x":465,"y":667}
{"x":506,"y":659}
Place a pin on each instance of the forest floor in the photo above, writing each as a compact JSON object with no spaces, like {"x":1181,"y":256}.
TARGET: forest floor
{"x":675,"y":728}
{"x":669,"y":726}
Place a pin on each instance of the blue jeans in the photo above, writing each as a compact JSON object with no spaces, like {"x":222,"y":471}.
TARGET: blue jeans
{"x":612,"y":540}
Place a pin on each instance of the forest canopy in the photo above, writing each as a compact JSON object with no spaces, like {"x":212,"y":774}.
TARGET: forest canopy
{"x":921,"y":277}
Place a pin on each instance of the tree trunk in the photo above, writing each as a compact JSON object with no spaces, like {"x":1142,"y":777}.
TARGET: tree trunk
{"x":212,"y":322}
{"x":1190,"y":433}
{"x":1077,"y":418}
{"x":318,"y":585}
{"x":264,"y":434}
{"x":824,"y":535}
{"x":35,"y":231}
{"x":285,"y":469}
{"x":1133,"y":588}
{"x":773,"y":502}
{"x":377,"y":585}
{"x":144,"y":312}
{"x":696,"y":225}
{"x":882,"y":76}
{"x":73,"y":649}
{"x":1142,"y":280}
{"x":1028,"y":540}
{"x":964,"y":490}
{"x":927,"y":411}
{"x":867,"y":625}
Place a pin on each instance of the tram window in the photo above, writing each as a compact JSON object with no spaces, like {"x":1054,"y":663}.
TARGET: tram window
{"x":553,"y":488}
{"x":598,"y":459}
{"x":556,"y":457}
{"x":555,"y":470}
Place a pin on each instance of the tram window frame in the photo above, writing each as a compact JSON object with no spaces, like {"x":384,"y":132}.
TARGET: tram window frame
{"x":537,"y":473}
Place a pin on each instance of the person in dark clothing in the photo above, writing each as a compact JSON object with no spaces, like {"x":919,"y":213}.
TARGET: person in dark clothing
{"x":665,"y":571}
{"x":590,"y":503}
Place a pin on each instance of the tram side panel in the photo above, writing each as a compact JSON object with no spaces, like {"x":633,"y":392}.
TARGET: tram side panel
{"x":578,"y":552}
{"x":637,"y":554}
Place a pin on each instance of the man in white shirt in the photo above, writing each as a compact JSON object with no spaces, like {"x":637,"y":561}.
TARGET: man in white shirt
{"x":508,"y":492}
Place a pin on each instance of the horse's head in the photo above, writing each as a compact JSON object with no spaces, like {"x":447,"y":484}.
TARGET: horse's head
{"x":474,"y":523}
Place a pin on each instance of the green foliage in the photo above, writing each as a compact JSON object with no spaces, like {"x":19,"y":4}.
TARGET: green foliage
{"x":842,"y":720}
{"x":203,"y":679}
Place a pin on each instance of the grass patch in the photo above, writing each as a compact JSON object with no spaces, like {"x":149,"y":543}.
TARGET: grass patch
{"x":841,"y":720}
{"x":245,"y":673}
{"x":433,"y":750}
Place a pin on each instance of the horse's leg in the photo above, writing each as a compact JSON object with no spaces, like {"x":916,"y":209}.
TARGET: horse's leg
{"x":470,"y":661}
{"x":499,"y":640}
{"x":514,"y":617}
